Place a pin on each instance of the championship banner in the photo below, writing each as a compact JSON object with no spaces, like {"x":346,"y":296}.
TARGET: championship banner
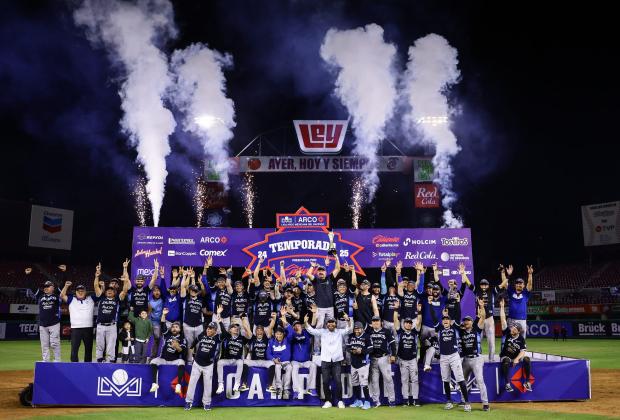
{"x":105,"y":384}
{"x":601,"y":224}
{"x":299,"y":245}
{"x":319,"y":164}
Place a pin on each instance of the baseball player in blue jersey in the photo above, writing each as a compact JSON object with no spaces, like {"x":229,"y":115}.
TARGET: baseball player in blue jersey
{"x":518,"y":298}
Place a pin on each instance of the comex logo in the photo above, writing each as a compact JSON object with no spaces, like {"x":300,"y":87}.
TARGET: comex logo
{"x":119,"y":385}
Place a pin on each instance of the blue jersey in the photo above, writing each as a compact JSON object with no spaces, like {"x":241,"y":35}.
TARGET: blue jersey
{"x":448,"y":339}
{"x":49,"y":308}
{"x":157,"y":307}
{"x":173,"y":304}
{"x":517,"y":303}
{"x":301,"y":343}
{"x":435,"y":306}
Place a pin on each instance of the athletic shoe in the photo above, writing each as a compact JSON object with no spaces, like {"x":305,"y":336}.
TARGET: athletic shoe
{"x":467,"y":407}
{"x":485,"y":407}
{"x":448,"y":406}
{"x":509,"y":388}
{"x":377,"y":404}
{"x":311,"y":392}
{"x":327,"y":405}
{"x":528,"y":386}
{"x":286,"y":394}
{"x":271,"y":388}
{"x":243,"y":388}
{"x":366,"y":405}
{"x":415,"y":403}
{"x":220,"y":389}
{"x":154,"y":387}
{"x":236,"y":388}
{"x":391,"y":404}
{"x":177,"y":389}
{"x":188,"y":406}
{"x":207,"y":407}
{"x":340,"y":404}
{"x":427,"y":368}
{"x":356,"y":404}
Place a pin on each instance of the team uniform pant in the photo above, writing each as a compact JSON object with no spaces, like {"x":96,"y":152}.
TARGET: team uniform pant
{"x":451,"y":363}
{"x":207,"y":381}
{"x":522,"y":323}
{"x":50,"y":339}
{"x":507,"y":361}
{"x":329,"y":371}
{"x":476,"y":365}
{"x":280,"y":380}
{"x":190,"y":334}
{"x":297,"y":383}
{"x":321,"y":316}
{"x":381,"y":366}
{"x":253,"y":363}
{"x":489,"y":332}
{"x":79,"y":335}
{"x":359,"y":376}
{"x":229,"y":362}
{"x":409,"y":378}
{"x":140,"y":348}
{"x":159,"y":361}
{"x":156,"y":339}
{"x":106,"y":342}
{"x":425,"y":346}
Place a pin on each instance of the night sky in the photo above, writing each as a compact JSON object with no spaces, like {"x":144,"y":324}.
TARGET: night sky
{"x":537,"y":99}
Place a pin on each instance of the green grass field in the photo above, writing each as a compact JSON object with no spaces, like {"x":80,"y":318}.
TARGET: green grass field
{"x":20,"y":355}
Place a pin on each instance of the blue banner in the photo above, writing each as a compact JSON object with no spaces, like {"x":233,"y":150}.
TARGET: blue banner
{"x":546,"y":328}
{"x":127,"y":384}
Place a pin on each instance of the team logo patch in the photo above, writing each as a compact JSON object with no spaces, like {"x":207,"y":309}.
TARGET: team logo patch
{"x":119,"y":385}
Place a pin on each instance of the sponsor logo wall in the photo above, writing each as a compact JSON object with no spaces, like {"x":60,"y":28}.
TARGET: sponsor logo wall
{"x":601,"y":223}
{"x":113,"y":384}
{"x":50,"y":228}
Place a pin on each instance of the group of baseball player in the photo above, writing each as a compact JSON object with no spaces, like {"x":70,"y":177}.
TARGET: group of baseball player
{"x":307,"y":319}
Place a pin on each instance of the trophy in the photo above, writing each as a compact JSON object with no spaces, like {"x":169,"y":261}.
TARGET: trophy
{"x":332,"y":246}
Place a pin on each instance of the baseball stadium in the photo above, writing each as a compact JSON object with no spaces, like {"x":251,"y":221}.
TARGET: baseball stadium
{"x":319,"y":209}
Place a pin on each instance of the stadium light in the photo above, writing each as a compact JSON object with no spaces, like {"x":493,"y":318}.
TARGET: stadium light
{"x":206,"y":121}
{"x":433,"y":120}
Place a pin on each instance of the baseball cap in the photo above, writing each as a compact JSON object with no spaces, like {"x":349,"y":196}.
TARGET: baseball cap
{"x":519,"y":280}
{"x":176,"y":323}
{"x":140,"y":277}
{"x":446,"y":317}
{"x":376,"y":318}
{"x":280,"y":329}
{"x":262,"y":293}
{"x":221,"y":277}
{"x":331,"y":319}
{"x":212,"y":325}
{"x":429,"y":285}
{"x":484,"y":281}
{"x":405,"y":278}
{"x":194,"y":288}
{"x":365,"y":281}
{"x":172,"y":287}
{"x":374,"y":285}
{"x":109,"y":287}
{"x":80,"y":287}
{"x":238,"y":282}
{"x":320,"y":268}
{"x":358,"y":325}
{"x":516,"y":325}
{"x":408,"y":320}
{"x":468,"y":318}
{"x":48,"y":283}
{"x":341,"y":281}
{"x":436,"y":287}
{"x":114,"y":280}
{"x":297,"y":322}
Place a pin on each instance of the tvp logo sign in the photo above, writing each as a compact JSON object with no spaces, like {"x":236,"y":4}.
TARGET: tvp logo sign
{"x":321,"y":137}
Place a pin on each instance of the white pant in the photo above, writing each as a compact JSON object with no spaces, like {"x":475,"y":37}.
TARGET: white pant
{"x":451,"y":362}
{"x":360,"y":376}
{"x":409,"y":378}
{"x":159,"y":361}
{"x":190,"y":334}
{"x":283,"y":381}
{"x":381,"y":366}
{"x":229,"y":362}
{"x":297,"y":383}
{"x":106,"y":341}
{"x":476,"y":365}
{"x":50,"y":339}
{"x":207,"y":380}
{"x":489,"y":332}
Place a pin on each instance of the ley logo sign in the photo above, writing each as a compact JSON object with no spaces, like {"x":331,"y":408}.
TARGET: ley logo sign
{"x":320,"y":136}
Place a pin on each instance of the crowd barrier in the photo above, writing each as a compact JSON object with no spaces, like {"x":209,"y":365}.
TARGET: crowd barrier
{"x":102,"y":384}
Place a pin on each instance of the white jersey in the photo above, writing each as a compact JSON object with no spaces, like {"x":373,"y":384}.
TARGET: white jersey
{"x":81,"y":312}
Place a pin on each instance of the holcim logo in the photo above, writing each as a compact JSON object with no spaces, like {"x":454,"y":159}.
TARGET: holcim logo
{"x":413,"y":241}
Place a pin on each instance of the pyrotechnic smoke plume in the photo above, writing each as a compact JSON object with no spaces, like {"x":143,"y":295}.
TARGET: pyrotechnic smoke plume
{"x":431,"y":71}
{"x":131,"y":32}
{"x":366,"y":85}
{"x":200,"y":94}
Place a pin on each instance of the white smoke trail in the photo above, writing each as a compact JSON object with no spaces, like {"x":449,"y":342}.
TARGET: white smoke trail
{"x":200,"y":93}
{"x":366,"y":85}
{"x":431,"y":71}
{"x":130,"y":32}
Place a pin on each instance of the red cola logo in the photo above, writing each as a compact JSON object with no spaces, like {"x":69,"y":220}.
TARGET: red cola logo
{"x":426,"y":196}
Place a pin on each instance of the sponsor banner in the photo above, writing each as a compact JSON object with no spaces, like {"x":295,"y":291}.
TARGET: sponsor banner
{"x":589,"y":309}
{"x":596,"y":329}
{"x":302,"y":220}
{"x":423,"y":170}
{"x":601,"y":224}
{"x":18,"y":330}
{"x":320,"y":136}
{"x":548,"y":295}
{"x":320,"y":164}
{"x":427,"y":196}
{"x":23,"y":308}
{"x":545,"y":328}
{"x":50,"y":228}
{"x":128,"y":384}
{"x":536,"y":310}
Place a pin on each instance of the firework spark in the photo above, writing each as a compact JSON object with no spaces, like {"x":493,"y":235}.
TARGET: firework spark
{"x":249,"y":198}
{"x":200,"y":200}
{"x":357,"y":201}
{"x":140,"y":199}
